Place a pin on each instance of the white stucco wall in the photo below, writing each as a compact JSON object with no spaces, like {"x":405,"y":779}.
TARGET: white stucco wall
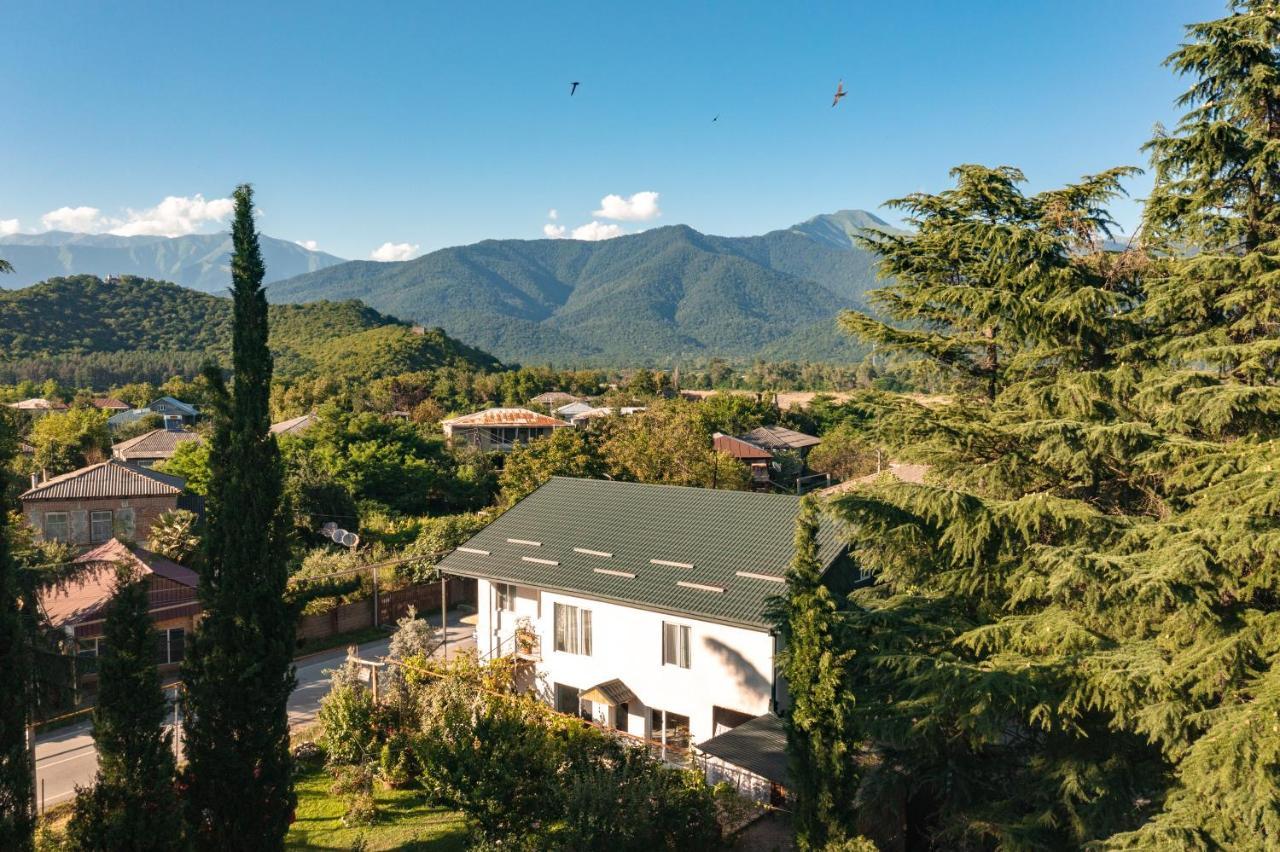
{"x":729,"y":667}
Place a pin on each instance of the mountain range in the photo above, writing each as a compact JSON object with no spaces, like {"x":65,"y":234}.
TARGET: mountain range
{"x":660,"y":296}
{"x":198,"y":261}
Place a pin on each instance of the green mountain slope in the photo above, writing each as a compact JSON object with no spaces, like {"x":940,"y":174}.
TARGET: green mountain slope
{"x":198,"y":261}
{"x":85,"y":315}
{"x":659,"y":296}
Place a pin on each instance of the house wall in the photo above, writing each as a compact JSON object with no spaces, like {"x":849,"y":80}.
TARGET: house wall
{"x":729,"y":667}
{"x":496,"y":437}
{"x":132,"y":518}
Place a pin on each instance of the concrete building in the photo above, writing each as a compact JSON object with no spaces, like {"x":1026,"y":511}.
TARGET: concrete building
{"x":107,"y":500}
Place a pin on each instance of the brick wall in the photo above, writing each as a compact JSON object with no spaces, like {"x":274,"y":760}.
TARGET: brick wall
{"x":132,"y":517}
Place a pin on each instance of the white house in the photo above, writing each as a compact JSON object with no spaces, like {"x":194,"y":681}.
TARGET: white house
{"x":640,"y":606}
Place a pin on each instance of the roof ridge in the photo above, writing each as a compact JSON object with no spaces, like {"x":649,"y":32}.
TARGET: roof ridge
{"x":751,"y":495}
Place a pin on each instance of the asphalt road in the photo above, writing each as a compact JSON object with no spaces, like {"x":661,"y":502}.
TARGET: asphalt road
{"x":66,"y":757}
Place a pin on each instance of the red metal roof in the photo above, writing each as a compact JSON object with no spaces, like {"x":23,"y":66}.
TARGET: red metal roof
{"x":739,"y":448}
{"x":84,"y":597}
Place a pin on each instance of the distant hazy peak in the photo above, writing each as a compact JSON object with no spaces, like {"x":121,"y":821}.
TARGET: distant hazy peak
{"x":838,"y":229}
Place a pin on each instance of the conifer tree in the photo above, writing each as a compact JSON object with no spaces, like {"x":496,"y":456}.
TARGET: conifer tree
{"x":1074,"y":635}
{"x":133,"y":803}
{"x":17,"y":816}
{"x":239,"y":671}
{"x":814,"y":666}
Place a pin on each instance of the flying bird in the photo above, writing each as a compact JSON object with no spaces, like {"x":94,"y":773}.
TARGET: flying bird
{"x":573,"y":88}
{"x":840,"y":93}
{"x":717,"y":118}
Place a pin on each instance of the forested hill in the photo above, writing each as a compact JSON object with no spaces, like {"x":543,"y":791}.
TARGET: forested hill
{"x":199,"y":261}
{"x":659,"y":296}
{"x":84,"y":316}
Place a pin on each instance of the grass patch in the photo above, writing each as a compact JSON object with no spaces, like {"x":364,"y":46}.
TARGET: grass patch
{"x":406,"y":820}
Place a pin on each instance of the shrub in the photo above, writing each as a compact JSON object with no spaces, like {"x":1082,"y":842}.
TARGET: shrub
{"x":354,"y":786}
{"x":348,"y":725}
{"x":396,"y":763}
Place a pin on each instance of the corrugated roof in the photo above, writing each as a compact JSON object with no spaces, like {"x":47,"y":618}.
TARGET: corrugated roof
{"x":83,"y":597}
{"x":293,"y":425}
{"x":612,"y":692}
{"x":504,"y":417}
{"x":112,"y":478}
{"x":779,"y":438}
{"x":554,"y":398}
{"x":185,"y":407}
{"x":156,"y":444}
{"x":39,"y":404}
{"x":910,"y":473}
{"x":758,"y":746}
{"x":109,"y":403}
{"x":716,"y":555}
{"x":738,"y":448}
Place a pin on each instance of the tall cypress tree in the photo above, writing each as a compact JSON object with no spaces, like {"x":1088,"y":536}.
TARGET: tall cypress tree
{"x":239,"y":671}
{"x":814,"y":663}
{"x":17,"y":816}
{"x":133,"y":804}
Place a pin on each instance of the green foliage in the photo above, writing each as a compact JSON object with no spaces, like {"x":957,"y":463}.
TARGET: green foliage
{"x":669,"y":444}
{"x":96,"y":333}
{"x":190,"y":461}
{"x":845,"y":453}
{"x":348,"y":724}
{"x":174,"y":535}
{"x":239,"y":668}
{"x":141,"y":426}
{"x":353,"y":784}
{"x":71,"y":439}
{"x":17,"y":816}
{"x":565,"y":452}
{"x":132,"y":804}
{"x":735,"y":413}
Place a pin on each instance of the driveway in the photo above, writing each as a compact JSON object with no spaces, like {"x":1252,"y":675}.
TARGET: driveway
{"x":66,"y":757}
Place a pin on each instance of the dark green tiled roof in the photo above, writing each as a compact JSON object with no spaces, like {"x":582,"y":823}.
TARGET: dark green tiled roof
{"x":718,"y":533}
{"x":758,"y":746}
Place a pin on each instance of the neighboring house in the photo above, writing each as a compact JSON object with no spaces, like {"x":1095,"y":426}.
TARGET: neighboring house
{"x":500,"y":428}
{"x":102,"y":501}
{"x":152,"y":447}
{"x":127,"y":417}
{"x":106,"y":403}
{"x":167,"y":406}
{"x":640,"y":606}
{"x":569,"y":411}
{"x":777,"y":438}
{"x":756,"y":457}
{"x":38,"y":406}
{"x":79,"y":605}
{"x":294,"y":425}
{"x":554,"y":399}
{"x":585,"y":417}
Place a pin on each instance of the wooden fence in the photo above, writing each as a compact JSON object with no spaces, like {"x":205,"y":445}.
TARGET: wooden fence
{"x":393,"y":605}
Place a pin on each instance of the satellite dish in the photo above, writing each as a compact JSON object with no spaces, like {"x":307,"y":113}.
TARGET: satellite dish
{"x":350,"y":539}
{"x":329,"y":527}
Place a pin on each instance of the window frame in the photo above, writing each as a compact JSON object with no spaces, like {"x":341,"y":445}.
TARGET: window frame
{"x":66,"y":525}
{"x":504,"y":597}
{"x":580,"y":641}
{"x":679,"y":655}
{"x":111,"y":525}
{"x":166,"y":641}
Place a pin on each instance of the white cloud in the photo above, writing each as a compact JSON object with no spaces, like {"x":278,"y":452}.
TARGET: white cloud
{"x":174,"y":216}
{"x":597,"y":231}
{"x":553,"y":214}
{"x":9,"y":226}
{"x":394,"y":251}
{"x":640,"y":207}
{"x":79,"y":219}
{"x":555,"y":232}
{"x":309,"y":245}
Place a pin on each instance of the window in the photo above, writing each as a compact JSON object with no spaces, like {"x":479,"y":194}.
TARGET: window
{"x":675,"y":644}
{"x":567,"y":700}
{"x":573,"y":629}
{"x":55,"y":526}
{"x":100,"y":526}
{"x":171,"y":645}
{"x":504,"y":597}
{"x":671,"y":730}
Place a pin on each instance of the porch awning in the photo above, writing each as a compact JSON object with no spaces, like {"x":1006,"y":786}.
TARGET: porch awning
{"x":611,"y":692}
{"x":758,"y":746}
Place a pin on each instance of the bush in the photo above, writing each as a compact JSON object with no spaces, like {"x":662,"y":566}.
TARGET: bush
{"x":354,"y":786}
{"x":396,"y":763}
{"x":348,"y":724}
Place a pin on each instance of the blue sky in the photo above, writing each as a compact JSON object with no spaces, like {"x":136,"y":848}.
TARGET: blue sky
{"x":438,"y":124}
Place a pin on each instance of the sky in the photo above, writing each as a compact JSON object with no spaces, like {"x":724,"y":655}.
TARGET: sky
{"x":387,"y":130}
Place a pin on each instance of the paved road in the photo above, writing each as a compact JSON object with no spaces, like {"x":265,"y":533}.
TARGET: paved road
{"x":66,"y":757}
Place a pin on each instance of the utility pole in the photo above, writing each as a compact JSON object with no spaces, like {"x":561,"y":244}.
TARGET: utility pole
{"x":444,"y":613}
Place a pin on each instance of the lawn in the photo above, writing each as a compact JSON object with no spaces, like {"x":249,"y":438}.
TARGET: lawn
{"x":406,"y":820}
